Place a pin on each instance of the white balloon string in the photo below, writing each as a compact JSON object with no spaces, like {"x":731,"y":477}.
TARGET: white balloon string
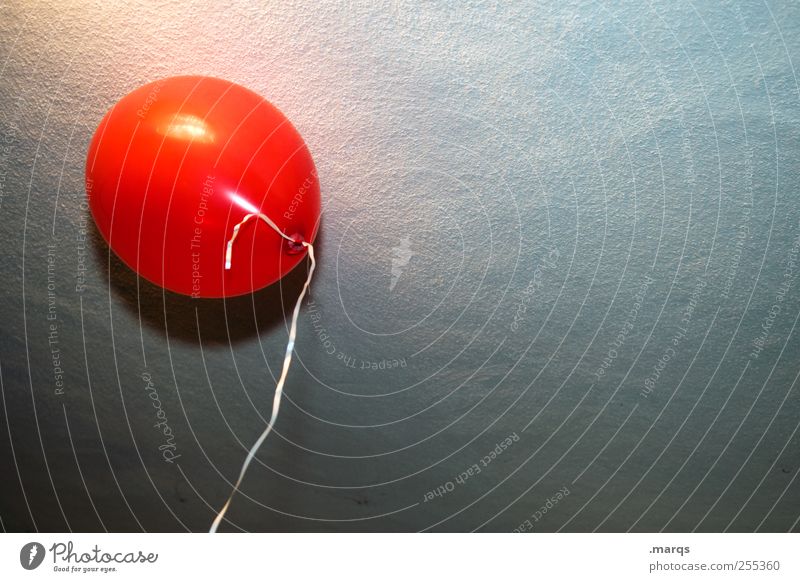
{"x":287,"y":360}
{"x":265,"y":218}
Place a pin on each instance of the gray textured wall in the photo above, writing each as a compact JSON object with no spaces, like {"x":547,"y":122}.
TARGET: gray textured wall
{"x":577,"y":180}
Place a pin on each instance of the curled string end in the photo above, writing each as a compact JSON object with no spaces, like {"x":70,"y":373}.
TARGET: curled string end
{"x":228,"y":253}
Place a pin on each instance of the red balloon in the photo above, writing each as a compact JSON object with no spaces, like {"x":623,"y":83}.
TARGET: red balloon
{"x":177,"y":163}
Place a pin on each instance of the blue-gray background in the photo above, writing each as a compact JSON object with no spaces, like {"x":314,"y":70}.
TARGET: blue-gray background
{"x":577,"y":181}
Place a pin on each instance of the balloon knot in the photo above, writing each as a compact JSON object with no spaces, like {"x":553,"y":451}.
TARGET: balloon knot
{"x":295,"y":246}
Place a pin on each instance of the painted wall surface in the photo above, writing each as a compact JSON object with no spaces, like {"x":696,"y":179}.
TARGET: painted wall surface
{"x":557,"y":278}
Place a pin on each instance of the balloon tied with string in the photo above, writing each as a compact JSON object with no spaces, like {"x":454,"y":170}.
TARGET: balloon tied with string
{"x":205,"y":188}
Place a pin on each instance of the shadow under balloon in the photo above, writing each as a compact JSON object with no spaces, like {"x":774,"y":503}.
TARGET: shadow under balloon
{"x":205,"y":321}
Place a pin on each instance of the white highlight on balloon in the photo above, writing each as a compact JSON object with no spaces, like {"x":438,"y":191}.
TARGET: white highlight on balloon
{"x":244,"y":203}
